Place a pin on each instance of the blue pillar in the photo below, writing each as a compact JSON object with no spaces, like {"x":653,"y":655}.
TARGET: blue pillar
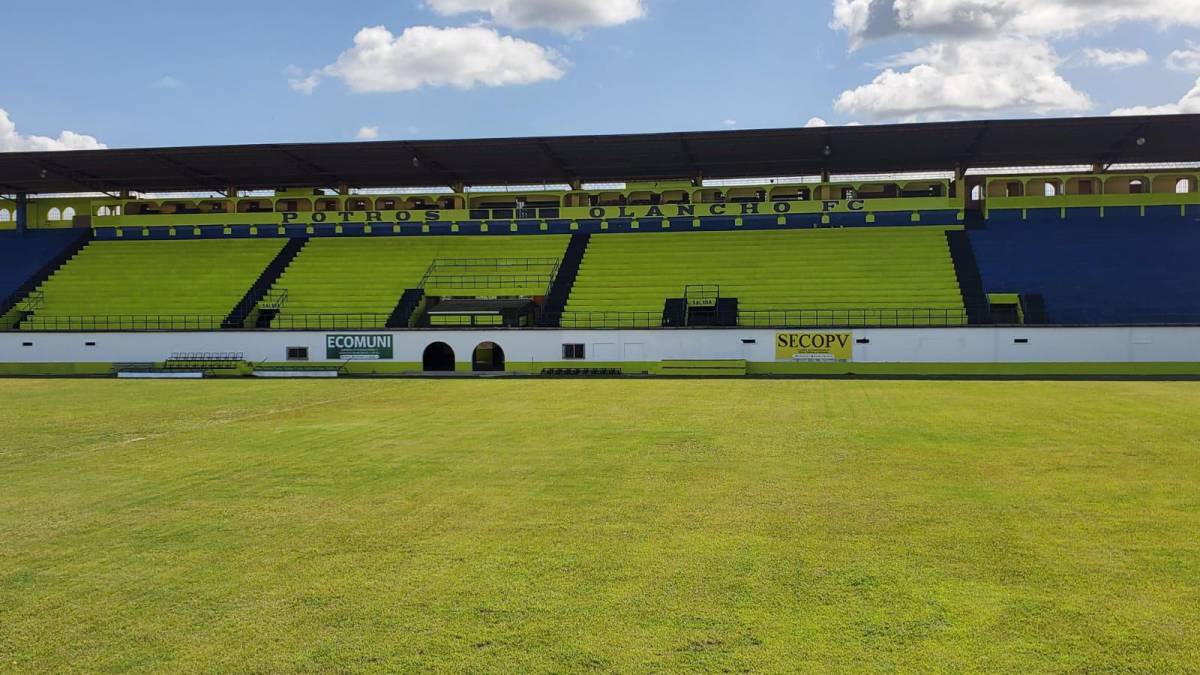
{"x":22,"y":213}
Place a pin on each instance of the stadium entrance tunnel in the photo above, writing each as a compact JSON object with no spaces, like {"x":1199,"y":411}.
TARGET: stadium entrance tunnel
{"x":488,"y":357}
{"x":438,"y":358}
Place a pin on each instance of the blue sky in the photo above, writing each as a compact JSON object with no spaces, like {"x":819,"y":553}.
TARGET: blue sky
{"x":142,"y":73}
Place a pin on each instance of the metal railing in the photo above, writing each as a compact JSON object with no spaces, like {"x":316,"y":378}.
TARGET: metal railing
{"x":613,"y":319}
{"x":784,"y":318}
{"x":32,"y":302}
{"x":274,"y":300}
{"x":465,"y":281}
{"x":457,"y":273}
{"x":536,"y":213}
{"x":204,"y":361}
{"x":350,"y":321}
{"x":702,"y":295}
{"x":124,"y":322}
{"x":908,"y":317}
{"x":494,"y":263}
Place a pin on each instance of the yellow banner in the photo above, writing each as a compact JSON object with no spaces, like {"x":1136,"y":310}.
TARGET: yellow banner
{"x":814,"y":346}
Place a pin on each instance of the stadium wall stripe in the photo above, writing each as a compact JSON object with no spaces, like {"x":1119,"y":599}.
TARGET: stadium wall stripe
{"x":874,"y":350}
{"x":968,"y":370}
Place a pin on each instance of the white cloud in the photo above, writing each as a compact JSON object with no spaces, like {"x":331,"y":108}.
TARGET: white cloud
{"x":167,"y":82}
{"x":730,"y":123}
{"x":1186,"y":60}
{"x":1117,"y":58}
{"x":1190,"y":103}
{"x":427,"y":56}
{"x":305,"y":84}
{"x":367,"y":133}
{"x":867,"y":19}
{"x":13,"y":141}
{"x":565,"y":16}
{"x":814,"y":122}
{"x":949,"y":79}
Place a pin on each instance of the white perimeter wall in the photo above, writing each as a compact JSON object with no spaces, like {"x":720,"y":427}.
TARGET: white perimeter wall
{"x":909,"y":345}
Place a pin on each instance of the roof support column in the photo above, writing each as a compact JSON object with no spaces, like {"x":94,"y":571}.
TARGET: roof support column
{"x":22,"y":212}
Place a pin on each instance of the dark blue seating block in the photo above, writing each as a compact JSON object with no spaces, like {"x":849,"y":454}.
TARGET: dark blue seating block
{"x":933,"y":217}
{"x":848,"y":219}
{"x":903,"y":218}
{"x":760,"y":222}
{"x":24,"y":255}
{"x":1087,"y":214}
{"x":714,"y":223}
{"x":1096,"y":272}
{"x":804,"y":220}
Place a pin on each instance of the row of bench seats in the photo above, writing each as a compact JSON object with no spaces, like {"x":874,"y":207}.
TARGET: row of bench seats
{"x":357,"y":282}
{"x":150,"y":285}
{"x":363,"y":279}
{"x":892,"y":271}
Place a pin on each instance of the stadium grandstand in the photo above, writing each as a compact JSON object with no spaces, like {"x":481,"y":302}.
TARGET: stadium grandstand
{"x":1042,"y":246}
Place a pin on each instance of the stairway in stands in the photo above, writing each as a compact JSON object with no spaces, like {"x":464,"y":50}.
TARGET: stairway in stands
{"x":568,"y":271}
{"x":249,"y":302}
{"x":970,"y":282}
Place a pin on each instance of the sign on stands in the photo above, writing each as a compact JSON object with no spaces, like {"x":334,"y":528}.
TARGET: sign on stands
{"x":820,"y":347}
{"x":358,"y":347}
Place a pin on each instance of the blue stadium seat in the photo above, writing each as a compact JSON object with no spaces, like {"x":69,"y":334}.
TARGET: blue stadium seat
{"x":1096,"y":272}
{"x":24,"y":255}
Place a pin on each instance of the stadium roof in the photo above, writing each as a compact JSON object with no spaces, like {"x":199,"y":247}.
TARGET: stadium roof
{"x":564,"y":159}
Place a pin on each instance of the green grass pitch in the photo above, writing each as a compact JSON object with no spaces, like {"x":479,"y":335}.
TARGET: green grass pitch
{"x":619,"y":526}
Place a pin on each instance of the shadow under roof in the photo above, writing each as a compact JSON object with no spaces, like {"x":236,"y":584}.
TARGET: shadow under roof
{"x":942,"y":146}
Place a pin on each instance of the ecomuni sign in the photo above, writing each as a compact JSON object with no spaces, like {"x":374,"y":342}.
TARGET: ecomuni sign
{"x":814,"y":346}
{"x":360,"y":347}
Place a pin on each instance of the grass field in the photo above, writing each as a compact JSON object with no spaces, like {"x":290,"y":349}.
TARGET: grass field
{"x":626,"y":526}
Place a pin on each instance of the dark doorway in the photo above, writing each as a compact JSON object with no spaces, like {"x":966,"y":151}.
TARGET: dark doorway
{"x":488,"y":358}
{"x":438,"y":358}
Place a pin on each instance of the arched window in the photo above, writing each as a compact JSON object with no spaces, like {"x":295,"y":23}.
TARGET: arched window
{"x":116,"y":211}
{"x":104,"y":211}
{"x":977,"y":193}
{"x":1183,"y":187}
{"x":69,"y":213}
{"x":1137,"y":186}
{"x":4,"y":216}
{"x":1051,"y":189}
{"x":54,"y":214}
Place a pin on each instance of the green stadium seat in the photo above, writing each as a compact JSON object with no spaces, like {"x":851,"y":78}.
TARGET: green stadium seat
{"x":861,"y":276}
{"x":357,"y":282}
{"x":171,"y":285}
